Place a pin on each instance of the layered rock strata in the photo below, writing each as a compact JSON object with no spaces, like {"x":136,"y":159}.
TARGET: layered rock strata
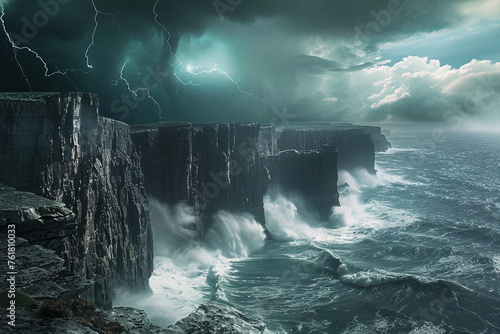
{"x":355,"y":147}
{"x":57,"y":146}
{"x":311,"y":174}
{"x":211,"y":167}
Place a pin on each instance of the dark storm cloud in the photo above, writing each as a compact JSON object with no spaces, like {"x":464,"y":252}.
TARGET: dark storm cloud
{"x":74,"y":19}
{"x":377,"y":19}
{"x":267,"y":41}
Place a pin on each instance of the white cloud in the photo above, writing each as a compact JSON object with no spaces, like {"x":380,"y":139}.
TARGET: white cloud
{"x":417,"y":88}
{"x":482,"y":9}
{"x":398,"y":94}
{"x":330,"y":99}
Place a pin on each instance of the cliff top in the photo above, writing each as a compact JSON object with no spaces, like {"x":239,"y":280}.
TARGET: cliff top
{"x":26,"y":97}
{"x":149,"y":126}
{"x":13,"y":200}
{"x":34,"y":212}
{"x":165,"y":124}
{"x":324,"y":126}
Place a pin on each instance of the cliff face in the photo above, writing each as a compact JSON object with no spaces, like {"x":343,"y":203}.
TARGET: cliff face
{"x":355,"y":146}
{"x":312,"y":174}
{"x":267,"y":143}
{"x":380,"y":142}
{"x":58,"y":147}
{"x":229,"y":166}
{"x":212,"y":167}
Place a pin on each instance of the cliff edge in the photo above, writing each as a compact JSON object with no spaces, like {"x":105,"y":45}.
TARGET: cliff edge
{"x":57,"y":146}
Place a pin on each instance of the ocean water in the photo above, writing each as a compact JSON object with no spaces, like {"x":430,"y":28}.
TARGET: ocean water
{"x":415,"y":249}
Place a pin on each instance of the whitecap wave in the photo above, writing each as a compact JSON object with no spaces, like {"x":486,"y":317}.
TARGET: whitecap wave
{"x":235,"y":235}
{"x":177,"y":291}
{"x":217,"y":278}
{"x":394,"y":150}
{"x":496,"y":263}
{"x":428,"y":329}
{"x":367,"y":279}
{"x":360,"y":178}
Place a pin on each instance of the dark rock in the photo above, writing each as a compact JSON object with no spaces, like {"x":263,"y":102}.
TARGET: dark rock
{"x":132,"y":320}
{"x":312,"y":174}
{"x":57,"y":146}
{"x":376,"y":133}
{"x":211,"y":167}
{"x":40,"y":273}
{"x":355,"y":147}
{"x":37,"y":219}
{"x":215,"y":317}
{"x":209,"y":318}
{"x":118,"y":320}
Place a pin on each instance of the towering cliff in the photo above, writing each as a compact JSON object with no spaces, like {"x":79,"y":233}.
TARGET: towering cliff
{"x":355,"y":146}
{"x":211,"y":167}
{"x":229,"y":166}
{"x":57,"y":146}
{"x":311,"y":174}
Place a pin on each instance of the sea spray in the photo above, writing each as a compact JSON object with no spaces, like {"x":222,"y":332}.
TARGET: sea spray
{"x":358,"y":179}
{"x":283,"y":220}
{"x":182,"y":262}
{"x":235,"y":235}
{"x":174,"y":227}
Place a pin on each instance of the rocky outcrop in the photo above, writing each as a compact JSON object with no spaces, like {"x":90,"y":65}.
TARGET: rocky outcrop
{"x":356,"y":144}
{"x":211,"y":167}
{"x":40,"y":273}
{"x":210,"y":318}
{"x":355,"y":147}
{"x":37,"y":219}
{"x":57,"y":146}
{"x":380,"y":142}
{"x":215,"y":317}
{"x":37,"y":277}
{"x":311,"y":174}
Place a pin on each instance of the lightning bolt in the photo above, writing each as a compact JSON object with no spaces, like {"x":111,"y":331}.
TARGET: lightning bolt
{"x":187,"y":72}
{"x":96,"y":26}
{"x":215,"y":69}
{"x":212,"y":69}
{"x":134,"y":91}
{"x":14,"y":47}
{"x":17,"y":48}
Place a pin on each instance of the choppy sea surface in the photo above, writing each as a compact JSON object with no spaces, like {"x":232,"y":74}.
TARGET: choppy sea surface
{"x":415,"y":249}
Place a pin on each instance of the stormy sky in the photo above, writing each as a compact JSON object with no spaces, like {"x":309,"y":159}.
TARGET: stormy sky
{"x":260,"y":60}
